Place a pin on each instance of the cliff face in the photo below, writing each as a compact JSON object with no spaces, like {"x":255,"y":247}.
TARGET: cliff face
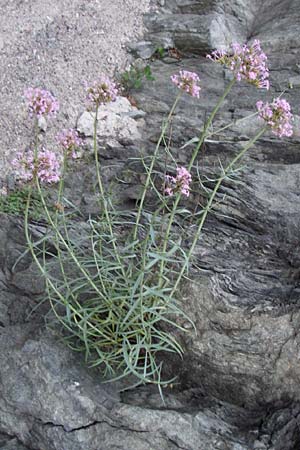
{"x":239,"y":380}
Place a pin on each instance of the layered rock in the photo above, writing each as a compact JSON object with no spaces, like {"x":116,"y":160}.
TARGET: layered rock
{"x":238,"y":383}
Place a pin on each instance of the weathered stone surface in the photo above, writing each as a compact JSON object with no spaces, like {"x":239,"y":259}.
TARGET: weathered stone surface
{"x":13,"y":444}
{"x":142,"y":49}
{"x":239,"y":380}
{"x":53,"y":402}
{"x":245,"y":300}
{"x":197,"y":26}
{"x":118,"y":124}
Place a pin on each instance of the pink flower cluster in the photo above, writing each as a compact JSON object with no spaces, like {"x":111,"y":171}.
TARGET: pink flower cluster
{"x":101,"y":91}
{"x":41,"y":102}
{"x":180,"y":183}
{"x":187,"y":82}
{"x":247,"y":63}
{"x":278,"y":115}
{"x":70,"y":141}
{"x":46,"y":167}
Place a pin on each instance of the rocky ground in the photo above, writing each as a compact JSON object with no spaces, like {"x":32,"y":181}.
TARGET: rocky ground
{"x":239,"y":380}
{"x":58,"y":46}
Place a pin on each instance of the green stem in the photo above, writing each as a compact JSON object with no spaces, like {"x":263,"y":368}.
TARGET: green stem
{"x":194,"y":156}
{"x":63,"y":241}
{"x":44,"y":272}
{"x":59,"y":200}
{"x":104,"y":202}
{"x":209,"y":122}
{"x":148,"y":179}
{"x":234,"y":122}
{"x":62,"y":177}
{"x":209,"y":204}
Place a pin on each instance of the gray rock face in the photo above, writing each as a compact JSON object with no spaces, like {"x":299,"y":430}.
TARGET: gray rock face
{"x":197,"y":26}
{"x":238,"y":385}
{"x":50,"y":400}
{"x":119,"y":124}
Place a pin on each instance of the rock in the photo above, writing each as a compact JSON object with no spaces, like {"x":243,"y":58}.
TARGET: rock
{"x":29,"y":281}
{"x":42,"y":124}
{"x":13,"y":444}
{"x":238,"y":383}
{"x":59,"y":404}
{"x":85,"y":123}
{"x":203,"y":25}
{"x":143,"y":49}
{"x":1,"y":43}
{"x":115,"y":120}
{"x":294,"y":82}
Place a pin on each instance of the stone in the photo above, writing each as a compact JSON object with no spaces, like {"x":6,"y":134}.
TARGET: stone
{"x":13,"y":444}
{"x":42,"y":124}
{"x":294,"y":82}
{"x":237,"y":387}
{"x":29,"y":281}
{"x":80,"y":412}
{"x":115,"y":120}
{"x":143,"y":49}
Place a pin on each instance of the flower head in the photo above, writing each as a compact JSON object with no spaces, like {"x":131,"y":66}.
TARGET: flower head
{"x":278,"y":115}
{"x":247,"y":63}
{"x":41,"y":103}
{"x":187,"y":82}
{"x":46,"y":167}
{"x":23,"y":163}
{"x":70,"y":141}
{"x":101,"y":91}
{"x":180,"y":183}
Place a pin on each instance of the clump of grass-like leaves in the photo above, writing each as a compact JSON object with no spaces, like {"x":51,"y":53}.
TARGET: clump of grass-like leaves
{"x":114,"y":308}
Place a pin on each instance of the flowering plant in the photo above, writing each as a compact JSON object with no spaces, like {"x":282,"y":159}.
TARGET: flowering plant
{"x":101,"y":91}
{"x":277,"y":115}
{"x":41,"y":103}
{"x":70,"y":142}
{"x":246,"y":62}
{"x":120,"y":299}
{"x":46,"y":166}
{"x":187,"y":82}
{"x":180,"y":183}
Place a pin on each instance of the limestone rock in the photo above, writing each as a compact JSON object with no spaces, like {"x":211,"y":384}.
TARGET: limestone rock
{"x":115,"y":121}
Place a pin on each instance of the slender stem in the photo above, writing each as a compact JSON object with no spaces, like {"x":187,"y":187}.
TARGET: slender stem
{"x":148,"y":179}
{"x":209,"y":204}
{"x":234,"y":122}
{"x":104,"y":202}
{"x":209,"y":122}
{"x":63,"y":241}
{"x":62,"y":176}
{"x":194,"y":156}
{"x":44,"y":272}
{"x":59,"y":199}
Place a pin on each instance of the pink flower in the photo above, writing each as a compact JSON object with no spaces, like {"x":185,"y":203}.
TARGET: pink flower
{"x":187,"y":82}
{"x":247,"y":63}
{"x":70,"y":141}
{"x":46,"y":167}
{"x":101,"y":91}
{"x":40,"y":103}
{"x":180,"y":183}
{"x":23,"y":163}
{"x":278,"y":115}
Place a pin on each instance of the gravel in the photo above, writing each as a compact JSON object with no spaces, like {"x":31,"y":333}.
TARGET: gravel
{"x":57,"y":46}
